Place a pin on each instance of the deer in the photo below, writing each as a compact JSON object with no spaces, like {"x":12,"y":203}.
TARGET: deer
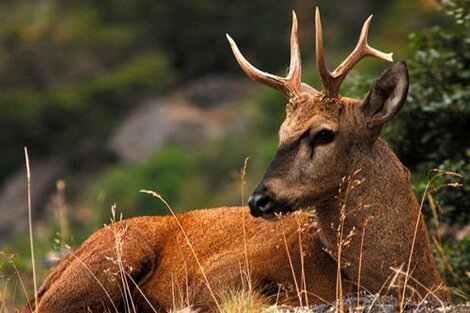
{"x":157,"y":263}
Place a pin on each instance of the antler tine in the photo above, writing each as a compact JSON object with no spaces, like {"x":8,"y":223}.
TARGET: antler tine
{"x":320,"y":53}
{"x":290,"y":85}
{"x":332,"y":80}
{"x":295,"y":68}
{"x":361,"y":51}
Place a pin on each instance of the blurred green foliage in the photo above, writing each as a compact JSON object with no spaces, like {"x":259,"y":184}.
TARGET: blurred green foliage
{"x":456,"y":254}
{"x":66,"y":78}
{"x":433,"y":128}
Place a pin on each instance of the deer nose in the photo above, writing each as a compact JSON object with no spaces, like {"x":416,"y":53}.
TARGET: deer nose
{"x":259,"y":204}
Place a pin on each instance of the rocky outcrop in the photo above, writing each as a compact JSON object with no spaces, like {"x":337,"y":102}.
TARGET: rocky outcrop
{"x":205,"y":110}
{"x":14,"y":195}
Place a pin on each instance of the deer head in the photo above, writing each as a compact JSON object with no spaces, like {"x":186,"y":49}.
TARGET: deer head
{"x":324,"y":134}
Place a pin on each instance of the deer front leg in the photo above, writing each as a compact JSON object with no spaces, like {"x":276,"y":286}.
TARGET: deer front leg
{"x":101,"y":275}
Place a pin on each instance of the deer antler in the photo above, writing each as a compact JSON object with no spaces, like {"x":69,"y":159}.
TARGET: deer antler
{"x":332,"y":80}
{"x":289,"y":85}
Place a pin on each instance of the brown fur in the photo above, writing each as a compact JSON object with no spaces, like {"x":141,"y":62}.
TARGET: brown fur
{"x":157,"y":256}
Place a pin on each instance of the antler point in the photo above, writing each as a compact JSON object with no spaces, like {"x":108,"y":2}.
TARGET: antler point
{"x":289,"y":85}
{"x":294,"y":20}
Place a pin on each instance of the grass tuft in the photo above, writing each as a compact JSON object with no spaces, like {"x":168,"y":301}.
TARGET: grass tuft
{"x":243,"y":300}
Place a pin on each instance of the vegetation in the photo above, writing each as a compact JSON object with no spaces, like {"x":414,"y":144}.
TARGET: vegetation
{"x":432,"y":130}
{"x":70,"y":71}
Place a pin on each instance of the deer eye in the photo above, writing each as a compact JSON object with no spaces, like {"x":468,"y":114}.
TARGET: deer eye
{"x":324,"y":136}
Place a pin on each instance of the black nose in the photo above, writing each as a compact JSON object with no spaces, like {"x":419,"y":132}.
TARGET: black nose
{"x":259,"y":204}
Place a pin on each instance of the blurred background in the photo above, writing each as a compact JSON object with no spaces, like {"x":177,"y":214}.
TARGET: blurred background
{"x":111,"y":97}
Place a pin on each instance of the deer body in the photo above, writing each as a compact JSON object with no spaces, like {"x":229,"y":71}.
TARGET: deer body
{"x":158,"y":259}
{"x":330,"y":157}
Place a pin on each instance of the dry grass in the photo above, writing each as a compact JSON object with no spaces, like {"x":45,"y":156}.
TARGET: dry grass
{"x":433,"y":175}
{"x":359,"y":271}
{"x":30,"y":224}
{"x":245,"y":245}
{"x":246,"y":298}
{"x":206,"y":280}
{"x":348,"y":183}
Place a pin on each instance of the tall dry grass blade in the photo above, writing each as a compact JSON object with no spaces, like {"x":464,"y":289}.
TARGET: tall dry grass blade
{"x":343,"y":240}
{"x":245,"y":250}
{"x":206,"y":280}
{"x":22,"y":286}
{"x":141,"y":293}
{"x":359,"y":271}
{"x":13,"y":298}
{"x":429,"y":291}
{"x":96,"y":279}
{"x":339,"y":282}
{"x":61,"y":205}
{"x":340,"y":241}
{"x":185,"y":298}
{"x":432,"y":292}
{"x":319,"y":298}
{"x":3,"y":305}
{"x":415,"y":234}
{"x":391,"y":278}
{"x":245,"y":244}
{"x":440,"y":173}
{"x":303,"y":279}
{"x":433,"y":206}
{"x":294,"y":277}
{"x":278,"y":295}
{"x":243,"y":180}
{"x":30,"y":224}
{"x":127,"y":290}
{"x":124,"y":288}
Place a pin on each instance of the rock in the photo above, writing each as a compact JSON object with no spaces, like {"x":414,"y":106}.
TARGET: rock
{"x":203,"y":111}
{"x":14,"y":195}
{"x":381,"y":304}
{"x":211,"y":91}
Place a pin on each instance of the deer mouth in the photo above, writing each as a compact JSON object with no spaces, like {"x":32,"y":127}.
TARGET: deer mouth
{"x":268,"y":208}
{"x":276,"y":214}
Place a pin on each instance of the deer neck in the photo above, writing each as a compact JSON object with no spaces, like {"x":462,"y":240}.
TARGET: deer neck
{"x":381,"y":212}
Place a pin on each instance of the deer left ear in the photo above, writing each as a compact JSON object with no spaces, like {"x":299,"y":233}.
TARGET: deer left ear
{"x":386,"y":96}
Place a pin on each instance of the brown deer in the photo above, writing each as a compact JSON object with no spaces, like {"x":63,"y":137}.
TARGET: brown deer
{"x":149,"y":264}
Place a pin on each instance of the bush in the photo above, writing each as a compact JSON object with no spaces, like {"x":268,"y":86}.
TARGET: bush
{"x":432,"y":129}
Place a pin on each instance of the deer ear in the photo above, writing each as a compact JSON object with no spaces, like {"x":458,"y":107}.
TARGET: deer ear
{"x":386,"y":96}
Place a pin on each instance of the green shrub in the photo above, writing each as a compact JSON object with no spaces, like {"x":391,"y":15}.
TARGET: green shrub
{"x":164,"y":173}
{"x":432,"y":129}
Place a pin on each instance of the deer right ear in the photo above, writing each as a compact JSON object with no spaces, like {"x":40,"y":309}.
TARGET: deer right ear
{"x":386,"y":96}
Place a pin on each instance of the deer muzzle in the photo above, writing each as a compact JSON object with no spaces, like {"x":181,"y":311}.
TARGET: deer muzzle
{"x":265,"y":204}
